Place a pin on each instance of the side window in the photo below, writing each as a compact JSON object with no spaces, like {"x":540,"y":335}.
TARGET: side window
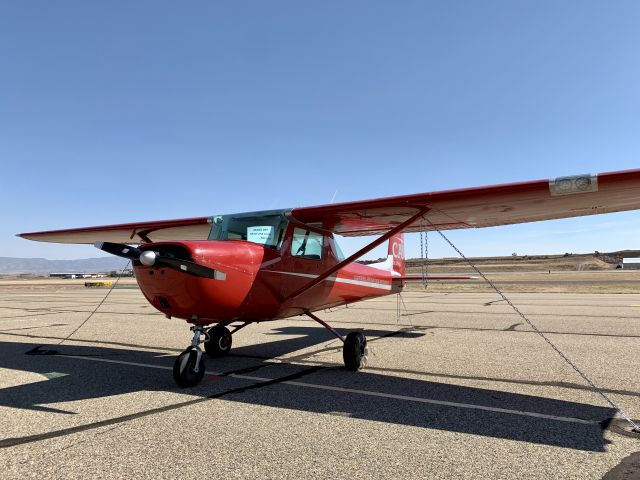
{"x":336,"y":249}
{"x":306,"y":244}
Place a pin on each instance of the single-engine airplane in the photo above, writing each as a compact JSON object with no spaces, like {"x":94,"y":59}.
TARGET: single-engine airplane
{"x":268,"y":265}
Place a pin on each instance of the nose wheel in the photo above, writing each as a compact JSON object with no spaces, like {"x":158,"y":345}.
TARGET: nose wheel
{"x":189,"y":367}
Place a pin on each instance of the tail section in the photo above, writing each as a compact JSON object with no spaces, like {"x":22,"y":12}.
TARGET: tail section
{"x":395,"y":264}
{"x":395,"y":257}
{"x":396,"y":252}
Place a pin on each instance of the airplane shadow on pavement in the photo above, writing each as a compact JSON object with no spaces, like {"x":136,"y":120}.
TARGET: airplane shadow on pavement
{"x":249,"y":375}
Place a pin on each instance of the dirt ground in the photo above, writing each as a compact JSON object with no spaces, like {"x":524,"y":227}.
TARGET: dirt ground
{"x":593,"y":282}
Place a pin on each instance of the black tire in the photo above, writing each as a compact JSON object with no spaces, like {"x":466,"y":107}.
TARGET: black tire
{"x":355,"y":351}
{"x":184,"y":366}
{"x":218,"y":342}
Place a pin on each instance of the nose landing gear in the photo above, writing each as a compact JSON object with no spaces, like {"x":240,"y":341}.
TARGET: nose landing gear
{"x":189,"y":367}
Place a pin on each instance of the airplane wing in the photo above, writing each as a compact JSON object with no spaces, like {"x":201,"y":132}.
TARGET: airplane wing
{"x":131,"y":233}
{"x":450,"y":209}
{"x":482,"y":206}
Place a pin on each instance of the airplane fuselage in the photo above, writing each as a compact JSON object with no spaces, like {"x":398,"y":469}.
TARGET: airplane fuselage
{"x":256,"y":282}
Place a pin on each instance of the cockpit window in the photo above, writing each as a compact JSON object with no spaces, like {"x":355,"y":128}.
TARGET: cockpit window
{"x":265,"y":228}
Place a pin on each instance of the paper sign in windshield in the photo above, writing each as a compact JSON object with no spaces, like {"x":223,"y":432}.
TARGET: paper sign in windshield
{"x":261,"y":234}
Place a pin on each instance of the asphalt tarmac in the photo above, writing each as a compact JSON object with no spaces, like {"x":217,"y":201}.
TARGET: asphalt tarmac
{"x":457,"y":386}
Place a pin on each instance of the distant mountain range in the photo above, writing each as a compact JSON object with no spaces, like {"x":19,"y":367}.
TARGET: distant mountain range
{"x":42,"y":265}
{"x":11,"y":265}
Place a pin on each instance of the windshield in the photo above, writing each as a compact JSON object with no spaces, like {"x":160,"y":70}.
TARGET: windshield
{"x":266,"y":228}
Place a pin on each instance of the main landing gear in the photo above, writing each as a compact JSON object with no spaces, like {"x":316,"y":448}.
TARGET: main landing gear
{"x":218,"y":341}
{"x":354,"y":351}
{"x":189,"y":367}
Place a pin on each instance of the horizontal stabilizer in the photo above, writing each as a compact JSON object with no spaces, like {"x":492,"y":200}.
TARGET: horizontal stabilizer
{"x":435,"y":277}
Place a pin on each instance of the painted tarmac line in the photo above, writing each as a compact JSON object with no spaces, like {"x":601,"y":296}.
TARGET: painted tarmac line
{"x":121,"y":362}
{"x":162,"y":367}
{"x":448,"y":404}
{"x":468,"y":406}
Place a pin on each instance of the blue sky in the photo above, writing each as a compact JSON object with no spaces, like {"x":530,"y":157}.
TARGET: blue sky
{"x":113,"y":112}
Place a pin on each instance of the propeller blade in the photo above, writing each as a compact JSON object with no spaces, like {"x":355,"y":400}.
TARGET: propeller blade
{"x":119,"y":250}
{"x":191,"y":268}
{"x":151,"y":258}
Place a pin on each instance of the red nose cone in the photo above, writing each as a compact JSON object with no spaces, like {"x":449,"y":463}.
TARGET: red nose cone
{"x":197,"y":299}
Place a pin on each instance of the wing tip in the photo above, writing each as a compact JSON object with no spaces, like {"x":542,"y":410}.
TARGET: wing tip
{"x":30,"y":236}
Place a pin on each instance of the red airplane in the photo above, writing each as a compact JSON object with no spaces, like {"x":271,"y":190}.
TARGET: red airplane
{"x":269,"y":265}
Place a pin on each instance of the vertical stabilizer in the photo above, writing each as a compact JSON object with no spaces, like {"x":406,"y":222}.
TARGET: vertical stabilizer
{"x":395,"y":257}
{"x":396,"y":252}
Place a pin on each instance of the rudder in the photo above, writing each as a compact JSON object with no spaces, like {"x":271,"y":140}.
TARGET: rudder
{"x":396,"y":251}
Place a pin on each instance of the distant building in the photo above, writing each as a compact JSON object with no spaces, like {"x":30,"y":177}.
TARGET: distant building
{"x":121,"y":273}
{"x":76,"y":275}
{"x":631,"y":263}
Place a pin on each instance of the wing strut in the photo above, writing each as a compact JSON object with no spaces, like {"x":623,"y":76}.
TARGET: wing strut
{"x":400,"y":227}
{"x":324,"y":324}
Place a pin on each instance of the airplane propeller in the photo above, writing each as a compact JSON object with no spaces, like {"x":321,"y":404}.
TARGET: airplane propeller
{"x":150,"y":258}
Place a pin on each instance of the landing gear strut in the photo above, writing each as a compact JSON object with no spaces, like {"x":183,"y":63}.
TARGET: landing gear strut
{"x":354,"y":351}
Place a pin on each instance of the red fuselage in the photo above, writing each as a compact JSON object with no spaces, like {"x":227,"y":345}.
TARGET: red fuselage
{"x":258,"y":282}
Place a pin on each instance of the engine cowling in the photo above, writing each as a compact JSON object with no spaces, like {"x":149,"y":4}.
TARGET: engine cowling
{"x":197,"y":299}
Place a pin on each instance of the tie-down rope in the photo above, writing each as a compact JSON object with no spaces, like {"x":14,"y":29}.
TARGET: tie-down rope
{"x":539,"y":332}
{"x":113,"y":285}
